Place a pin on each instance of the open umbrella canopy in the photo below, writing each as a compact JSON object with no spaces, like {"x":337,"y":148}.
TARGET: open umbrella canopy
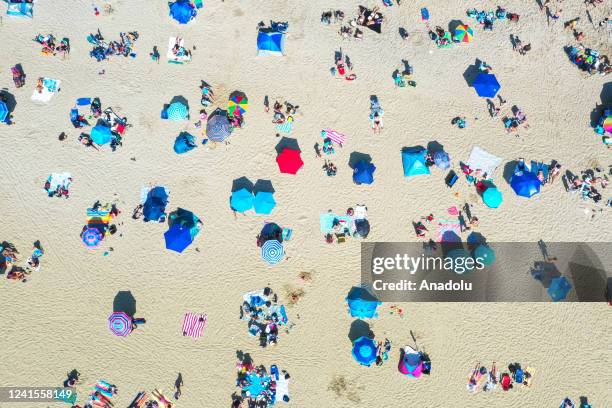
{"x":484,"y":254}
{"x":264,"y":202}
{"x":182,"y":11}
{"x":101,"y":134}
{"x":411,"y":363}
{"x":559,"y":288}
{"x":238,"y":102}
{"x":92,"y":237}
{"x":241,"y":200}
{"x":120,"y":324}
{"x":464,"y":33}
{"x":270,"y":43}
{"x":525,"y":184}
{"x":362,"y":304}
{"x":364,"y":350}
{"x":178,"y":237}
{"x":363,"y":173}
{"x":414,"y":162}
{"x":177,"y":111}
{"x":486,"y":85}
{"x":607,"y":124}
{"x":289,"y":161}
{"x":184,"y":142}
{"x":3,"y":111}
{"x":492,"y":197}
{"x":218,"y":127}
{"x":272,"y":251}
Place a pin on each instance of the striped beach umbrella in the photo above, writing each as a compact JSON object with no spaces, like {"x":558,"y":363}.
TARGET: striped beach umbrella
{"x":218,"y":127}
{"x":464,"y":33}
{"x":238,"y":102}
{"x":607,"y":124}
{"x":272,"y":251}
{"x":177,"y":111}
{"x":364,"y":350}
{"x":92,"y":238}
{"x":120,"y":324}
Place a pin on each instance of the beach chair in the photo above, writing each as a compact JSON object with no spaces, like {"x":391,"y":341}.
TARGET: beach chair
{"x":451,"y":179}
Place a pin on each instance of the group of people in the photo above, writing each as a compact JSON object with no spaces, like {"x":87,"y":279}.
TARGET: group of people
{"x":9,"y":257}
{"x":49,"y":46}
{"x":586,"y":183}
{"x":486,"y":19}
{"x":283,"y":112}
{"x":488,"y":380}
{"x":103,"y":49}
{"x":589,"y":60}
{"x":519,"y":118}
{"x":247,"y":374}
{"x":264,"y":316}
{"x":343,"y":68}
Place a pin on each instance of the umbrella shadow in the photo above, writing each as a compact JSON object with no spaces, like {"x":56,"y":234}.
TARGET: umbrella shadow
{"x":238,"y":94}
{"x":596,"y":114}
{"x":287,"y":142}
{"x":125,"y":302}
{"x":588,"y":275}
{"x":471,"y":73}
{"x":242,"y":182}
{"x":474,"y":240}
{"x":413,"y":149}
{"x":606,"y":94}
{"x":182,"y":216}
{"x":358,"y":329}
{"x":434,"y":146}
{"x":9,"y":99}
{"x":356,"y":157}
{"x":544,"y":272}
{"x":509,"y":170}
{"x":359,"y":292}
{"x":453,"y":24}
{"x":263,"y":186}
{"x":243,"y":357}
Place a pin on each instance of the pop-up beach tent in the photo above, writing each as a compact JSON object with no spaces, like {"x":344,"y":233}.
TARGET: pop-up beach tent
{"x":270,"y":43}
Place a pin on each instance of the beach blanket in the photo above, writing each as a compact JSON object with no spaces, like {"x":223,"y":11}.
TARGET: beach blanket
{"x":448,"y":230}
{"x":59,"y":180}
{"x":193,"y":324}
{"x":282,"y":388}
{"x":50,"y":87}
{"x":335,"y":136}
{"x":285,"y":127}
{"x":255,"y":298}
{"x":327,"y":222}
{"x":360,"y":212}
{"x":181,"y":57}
{"x":484,"y":161}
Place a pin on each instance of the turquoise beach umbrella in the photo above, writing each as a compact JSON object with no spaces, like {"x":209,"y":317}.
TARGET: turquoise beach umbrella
{"x":241,"y":200}
{"x":485,"y":253}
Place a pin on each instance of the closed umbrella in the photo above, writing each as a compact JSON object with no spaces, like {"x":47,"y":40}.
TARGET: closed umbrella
{"x":101,"y":134}
{"x":272,"y":251}
{"x":120,"y":324}
{"x":241,"y":200}
{"x":92,"y":237}
{"x":177,"y":111}
{"x":218,"y":127}
{"x":264,"y":202}
{"x":492,"y":197}
{"x":289,"y":161}
{"x":364,"y":350}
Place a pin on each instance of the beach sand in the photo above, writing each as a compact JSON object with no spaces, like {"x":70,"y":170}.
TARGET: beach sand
{"x":57,"y":320}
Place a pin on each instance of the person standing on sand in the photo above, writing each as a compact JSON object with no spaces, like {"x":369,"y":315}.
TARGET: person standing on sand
{"x":177,"y":385}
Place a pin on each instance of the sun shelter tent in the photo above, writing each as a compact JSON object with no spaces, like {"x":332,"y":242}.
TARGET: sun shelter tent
{"x":101,"y":134}
{"x":183,"y":11}
{"x":414,"y":162}
{"x":155,"y":204}
{"x":411,"y":363}
{"x":184,"y":143}
{"x":362,"y":304}
{"x":484,"y":161}
{"x":45,"y":92}
{"x":486,"y":85}
{"x":19,"y":8}
{"x":4,"y":112}
{"x":270,"y":43}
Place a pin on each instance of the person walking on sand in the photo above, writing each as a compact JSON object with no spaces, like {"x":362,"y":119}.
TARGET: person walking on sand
{"x":266,"y":104}
{"x":177,"y":386}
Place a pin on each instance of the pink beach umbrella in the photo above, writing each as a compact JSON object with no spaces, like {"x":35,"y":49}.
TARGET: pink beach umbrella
{"x":410,"y":363}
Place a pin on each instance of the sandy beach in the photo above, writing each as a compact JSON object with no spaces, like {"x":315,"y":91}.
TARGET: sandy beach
{"x":57,"y":320}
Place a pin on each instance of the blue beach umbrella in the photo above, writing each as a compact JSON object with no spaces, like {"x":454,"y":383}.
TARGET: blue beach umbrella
{"x":264,"y":202}
{"x":182,"y":11}
{"x":101,"y":135}
{"x":241,"y":200}
{"x":485,"y":253}
{"x":364,"y":351}
{"x":155,"y":204}
{"x":272,"y":251}
{"x":486,"y":85}
{"x":492,"y":197}
{"x":178,"y":237}
{"x":559,"y":288}
{"x":177,"y":111}
{"x":363,"y":173}
{"x":525,"y":184}
{"x":3,"y":111}
{"x":362,"y":304}
{"x":92,"y":237}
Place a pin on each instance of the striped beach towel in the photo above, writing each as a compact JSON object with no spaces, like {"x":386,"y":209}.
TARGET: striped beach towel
{"x":193,"y":324}
{"x":335,"y":137}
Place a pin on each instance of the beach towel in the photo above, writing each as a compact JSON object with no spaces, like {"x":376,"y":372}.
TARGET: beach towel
{"x":282,"y":389}
{"x":327,"y":222}
{"x":335,"y":137}
{"x":59,"y":180}
{"x":285,"y":127}
{"x":181,"y":57}
{"x":193,"y":324}
{"x":449,"y":231}
{"x":484,"y":161}
{"x":50,"y":87}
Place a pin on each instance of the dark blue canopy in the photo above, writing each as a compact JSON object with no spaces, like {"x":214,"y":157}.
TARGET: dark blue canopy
{"x":182,"y":11}
{"x":363,"y":173}
{"x":486,"y":85}
{"x":178,"y":237}
{"x":155,"y":204}
{"x":525,"y":184}
{"x":184,"y":143}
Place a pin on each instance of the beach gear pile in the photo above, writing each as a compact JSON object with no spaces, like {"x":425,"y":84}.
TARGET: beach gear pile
{"x":370,"y":18}
{"x":262,"y":388}
{"x":184,"y":227}
{"x":49,"y":46}
{"x":156,"y":399}
{"x":18,"y":76}
{"x":271,"y":39}
{"x":487,"y":18}
{"x":264,"y":315}
{"x":97,"y":227}
{"x":58,"y":185}
{"x":103,"y":50}
{"x":102,"y":394}
{"x":488,"y":380}
{"x":337,"y":228}
{"x":589,"y":60}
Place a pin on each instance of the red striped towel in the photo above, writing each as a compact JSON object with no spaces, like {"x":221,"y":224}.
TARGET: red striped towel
{"x":193,"y":324}
{"x":335,"y":137}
